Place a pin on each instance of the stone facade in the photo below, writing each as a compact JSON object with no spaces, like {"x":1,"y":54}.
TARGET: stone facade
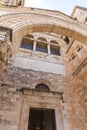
{"x":12,"y":2}
{"x":48,"y":48}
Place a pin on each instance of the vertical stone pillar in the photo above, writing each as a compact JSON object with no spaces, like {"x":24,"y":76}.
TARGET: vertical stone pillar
{"x":12,"y":2}
{"x":34,"y":45}
{"x":24,"y":117}
{"x":48,"y":49}
{"x":59,"y":119}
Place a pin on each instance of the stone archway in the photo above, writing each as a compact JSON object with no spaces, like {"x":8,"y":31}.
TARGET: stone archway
{"x":73,"y":31}
{"x":40,"y":22}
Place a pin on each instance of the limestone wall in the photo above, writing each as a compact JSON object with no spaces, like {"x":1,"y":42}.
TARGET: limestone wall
{"x":26,"y":69}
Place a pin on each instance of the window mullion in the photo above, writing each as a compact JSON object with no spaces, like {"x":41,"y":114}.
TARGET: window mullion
{"x":34,"y":45}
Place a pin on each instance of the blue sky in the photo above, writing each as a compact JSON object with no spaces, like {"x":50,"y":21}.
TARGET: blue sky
{"x":66,"y":6}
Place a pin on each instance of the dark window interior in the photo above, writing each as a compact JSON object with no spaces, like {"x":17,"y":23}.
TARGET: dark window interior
{"x":42,"y":87}
{"x":27,"y":44}
{"x":66,"y":39}
{"x":79,"y":48}
{"x":53,"y":42}
{"x":41,"y":39}
{"x":19,"y":3}
{"x":42,"y":47}
{"x":55,"y":50}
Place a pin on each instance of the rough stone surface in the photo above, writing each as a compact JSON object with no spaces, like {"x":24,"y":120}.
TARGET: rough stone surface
{"x":67,"y":93}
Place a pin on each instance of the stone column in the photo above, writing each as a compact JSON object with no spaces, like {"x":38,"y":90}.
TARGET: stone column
{"x":34,"y":45}
{"x":12,"y":2}
{"x":59,"y":120}
{"x":48,"y":49}
{"x":24,"y":117}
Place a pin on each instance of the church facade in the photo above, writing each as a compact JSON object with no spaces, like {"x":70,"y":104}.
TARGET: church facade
{"x":43,"y":68}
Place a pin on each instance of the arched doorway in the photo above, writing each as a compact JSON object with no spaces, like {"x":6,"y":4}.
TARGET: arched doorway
{"x":41,"y":118}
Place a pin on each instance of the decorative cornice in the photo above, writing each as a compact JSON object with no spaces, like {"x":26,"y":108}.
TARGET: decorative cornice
{"x":4,"y":32}
{"x":26,"y":91}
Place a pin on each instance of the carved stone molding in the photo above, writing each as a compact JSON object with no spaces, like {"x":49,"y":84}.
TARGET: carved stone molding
{"x":5,"y":45}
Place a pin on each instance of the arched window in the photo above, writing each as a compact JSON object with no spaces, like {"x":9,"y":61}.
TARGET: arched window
{"x":41,"y":39}
{"x":41,"y":45}
{"x":54,"y":42}
{"x":27,"y":42}
{"x":29,"y":36}
{"x":42,"y":86}
{"x":55,"y":50}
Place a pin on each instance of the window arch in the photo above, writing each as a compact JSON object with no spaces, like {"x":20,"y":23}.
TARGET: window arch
{"x":54,"y":47}
{"x":29,"y":36}
{"x":41,"y":39}
{"x":55,"y":50}
{"x":42,"y":86}
{"x":54,"y":42}
{"x":27,"y":42}
{"x":41,"y":45}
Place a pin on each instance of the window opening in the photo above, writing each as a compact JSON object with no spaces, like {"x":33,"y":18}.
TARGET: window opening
{"x":27,"y":42}
{"x":29,"y":36}
{"x":42,"y":47}
{"x":19,"y":2}
{"x":79,"y":50}
{"x":41,"y":39}
{"x":54,"y":42}
{"x":66,"y":39}
{"x":55,"y":50}
{"x":42,"y":86}
{"x":74,"y":59}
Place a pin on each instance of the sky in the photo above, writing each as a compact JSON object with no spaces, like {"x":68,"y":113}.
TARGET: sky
{"x":65,"y":6}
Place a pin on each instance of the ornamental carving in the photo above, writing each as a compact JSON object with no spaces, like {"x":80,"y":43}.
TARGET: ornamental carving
{"x":5,"y":45}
